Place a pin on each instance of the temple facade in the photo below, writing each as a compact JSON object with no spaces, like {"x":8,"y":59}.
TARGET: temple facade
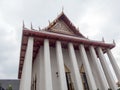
{"x":59,"y":57}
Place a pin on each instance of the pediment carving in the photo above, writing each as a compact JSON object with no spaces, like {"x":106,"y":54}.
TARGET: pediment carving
{"x":61,"y":27}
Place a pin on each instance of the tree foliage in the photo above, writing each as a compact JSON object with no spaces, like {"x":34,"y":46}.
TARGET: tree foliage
{"x":9,"y":87}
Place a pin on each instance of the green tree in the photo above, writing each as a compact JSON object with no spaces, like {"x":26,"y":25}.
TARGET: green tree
{"x":9,"y":87}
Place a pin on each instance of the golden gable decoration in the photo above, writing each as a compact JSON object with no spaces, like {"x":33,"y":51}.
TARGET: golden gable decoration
{"x":61,"y":27}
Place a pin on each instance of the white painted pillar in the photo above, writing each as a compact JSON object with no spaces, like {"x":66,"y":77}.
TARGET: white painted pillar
{"x":77,"y":76}
{"x":61,"y":69}
{"x":27,"y":67}
{"x":107,"y":70}
{"x":41,"y":68}
{"x":47,"y":66}
{"x":114,"y":64}
{"x":87,"y":68}
{"x":98,"y":70}
{"x":94,"y":71}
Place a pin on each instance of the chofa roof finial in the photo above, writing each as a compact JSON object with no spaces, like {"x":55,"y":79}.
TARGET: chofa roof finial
{"x":49,"y":22}
{"x":23,"y":24}
{"x":31,"y":26}
{"x":103,"y":39}
{"x":87,"y":37}
{"x":62,"y":9}
{"x":114,"y":42}
{"x":39,"y":28}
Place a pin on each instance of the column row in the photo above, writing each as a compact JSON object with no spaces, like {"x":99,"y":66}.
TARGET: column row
{"x":90,"y":78}
{"x":107,"y":70}
{"x":27,"y":67}
{"x":114,"y":64}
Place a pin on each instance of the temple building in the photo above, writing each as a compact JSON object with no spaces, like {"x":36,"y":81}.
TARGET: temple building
{"x":59,"y":57}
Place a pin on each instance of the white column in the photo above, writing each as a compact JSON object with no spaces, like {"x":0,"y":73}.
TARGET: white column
{"x":78,"y":80}
{"x":87,"y":68}
{"x":47,"y":66}
{"x":61,"y":69}
{"x":107,"y":70}
{"x":114,"y":64}
{"x":98,"y":70}
{"x":27,"y":67}
{"x":41,"y":67}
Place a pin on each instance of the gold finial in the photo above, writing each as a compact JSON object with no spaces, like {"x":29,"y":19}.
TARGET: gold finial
{"x":103,"y":39}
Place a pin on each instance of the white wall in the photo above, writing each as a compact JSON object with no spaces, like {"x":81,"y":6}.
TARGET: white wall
{"x":38,"y":67}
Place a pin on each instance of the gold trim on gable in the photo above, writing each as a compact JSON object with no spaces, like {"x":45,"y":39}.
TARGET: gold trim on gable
{"x":61,"y":27}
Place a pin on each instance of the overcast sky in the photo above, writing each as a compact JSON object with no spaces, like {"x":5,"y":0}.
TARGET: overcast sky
{"x":95,"y":19}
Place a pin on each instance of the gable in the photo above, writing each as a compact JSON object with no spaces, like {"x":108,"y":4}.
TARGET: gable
{"x":61,"y":27}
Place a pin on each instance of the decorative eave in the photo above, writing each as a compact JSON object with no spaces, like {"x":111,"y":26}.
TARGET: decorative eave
{"x":61,"y":37}
{"x":39,"y":36}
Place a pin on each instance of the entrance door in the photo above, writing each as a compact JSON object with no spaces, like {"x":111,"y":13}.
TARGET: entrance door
{"x":84,"y":79}
{"x":68,"y":79}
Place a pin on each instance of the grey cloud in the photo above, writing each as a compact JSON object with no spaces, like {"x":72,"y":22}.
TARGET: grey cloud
{"x":13,"y":12}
